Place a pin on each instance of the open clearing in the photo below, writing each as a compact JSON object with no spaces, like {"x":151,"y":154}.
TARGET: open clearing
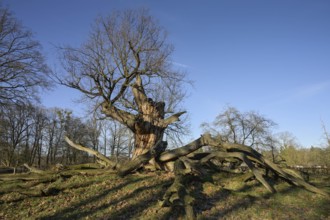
{"x":138,"y":196}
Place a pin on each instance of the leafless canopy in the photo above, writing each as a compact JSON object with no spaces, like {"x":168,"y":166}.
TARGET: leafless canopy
{"x":22,"y":66}
{"x":120,"y":48}
{"x":247,"y":128}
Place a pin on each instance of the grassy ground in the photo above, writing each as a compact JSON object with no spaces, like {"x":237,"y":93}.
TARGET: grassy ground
{"x":137,"y":197}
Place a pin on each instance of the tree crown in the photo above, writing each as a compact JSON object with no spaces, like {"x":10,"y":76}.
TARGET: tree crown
{"x":124,"y":51}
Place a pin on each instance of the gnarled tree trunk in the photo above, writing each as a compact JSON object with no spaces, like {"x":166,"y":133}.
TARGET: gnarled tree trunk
{"x":145,"y":141}
{"x":148,"y":127}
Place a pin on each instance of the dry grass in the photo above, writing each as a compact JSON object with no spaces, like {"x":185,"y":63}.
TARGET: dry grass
{"x":138,"y":196}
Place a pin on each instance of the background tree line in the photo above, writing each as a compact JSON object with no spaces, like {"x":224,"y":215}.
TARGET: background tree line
{"x":35,"y":135}
{"x":30,"y":133}
{"x":255,"y":130}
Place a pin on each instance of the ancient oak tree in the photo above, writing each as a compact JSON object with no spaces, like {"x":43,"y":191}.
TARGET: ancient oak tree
{"x":125,"y":68}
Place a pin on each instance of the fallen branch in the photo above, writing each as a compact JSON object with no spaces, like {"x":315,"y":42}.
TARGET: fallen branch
{"x":185,"y":150}
{"x":243,"y":157}
{"x":142,"y":159}
{"x":91,"y":151}
{"x":251,"y":155}
{"x":177,"y":194}
{"x":34,"y":170}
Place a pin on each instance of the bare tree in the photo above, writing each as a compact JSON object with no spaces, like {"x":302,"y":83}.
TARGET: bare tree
{"x":16,"y":120}
{"x":249,"y":128}
{"x":22,"y":66}
{"x":54,"y":133}
{"x":115,"y":139}
{"x":125,"y":68}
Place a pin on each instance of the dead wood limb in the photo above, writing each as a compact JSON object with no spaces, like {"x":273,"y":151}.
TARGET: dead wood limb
{"x":185,"y":150}
{"x":298,"y":181}
{"x":175,"y":117}
{"x":90,"y":151}
{"x":248,"y":177}
{"x":34,"y":170}
{"x":169,"y":166}
{"x":293,"y":173}
{"x":84,"y":166}
{"x":252,"y":155}
{"x":177,"y":195}
{"x":223,"y":169}
{"x":142,"y":159}
{"x":257,"y":173}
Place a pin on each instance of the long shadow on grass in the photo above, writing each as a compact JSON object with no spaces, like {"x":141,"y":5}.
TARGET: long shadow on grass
{"x":71,"y":212}
{"x":244,"y":202}
{"x":133,"y":210}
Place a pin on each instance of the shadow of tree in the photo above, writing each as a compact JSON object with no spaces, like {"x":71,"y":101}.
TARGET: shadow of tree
{"x":135,"y":196}
{"x":70,"y":212}
{"x":245,"y":202}
{"x":131,"y":211}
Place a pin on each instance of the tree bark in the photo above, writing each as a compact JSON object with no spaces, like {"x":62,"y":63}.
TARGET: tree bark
{"x":148,"y":125}
{"x":187,"y":149}
{"x":145,"y":139}
{"x":142,"y":159}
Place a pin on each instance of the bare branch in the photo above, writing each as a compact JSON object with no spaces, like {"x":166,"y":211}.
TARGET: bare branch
{"x":173,"y":118}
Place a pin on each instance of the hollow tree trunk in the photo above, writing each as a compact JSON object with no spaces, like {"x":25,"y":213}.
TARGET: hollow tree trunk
{"x":143,"y":142}
{"x":148,"y":125}
{"x":148,"y":130}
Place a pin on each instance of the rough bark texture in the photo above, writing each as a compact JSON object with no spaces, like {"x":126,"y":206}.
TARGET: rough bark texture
{"x":148,"y":130}
{"x":149,"y":125}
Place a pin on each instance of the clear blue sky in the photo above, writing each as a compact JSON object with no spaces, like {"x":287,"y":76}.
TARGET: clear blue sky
{"x":269,"y":56}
